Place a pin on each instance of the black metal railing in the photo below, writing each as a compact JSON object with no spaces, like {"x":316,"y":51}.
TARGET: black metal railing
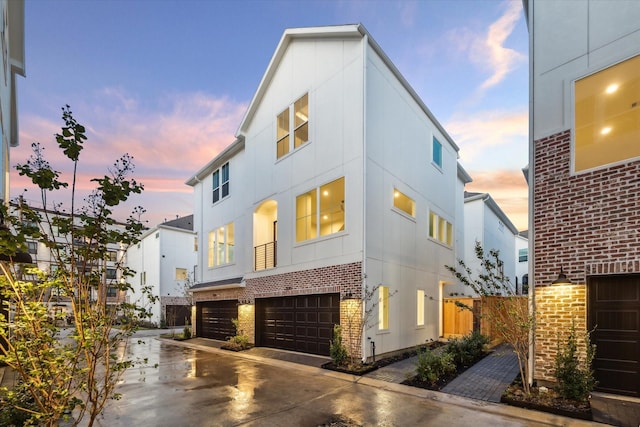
{"x":265,"y":256}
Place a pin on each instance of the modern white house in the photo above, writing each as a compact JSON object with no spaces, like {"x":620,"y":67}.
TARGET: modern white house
{"x":13,"y":64}
{"x":522,"y":262}
{"x":165,"y":261}
{"x":485,"y":222}
{"x":340,"y":184}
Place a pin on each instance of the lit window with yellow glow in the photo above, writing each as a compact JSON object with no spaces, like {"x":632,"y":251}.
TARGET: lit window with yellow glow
{"x":420,"y":308}
{"x":404,"y":203}
{"x":383,"y":307}
{"x":320,"y":212}
{"x":294,"y":120}
{"x":221,"y":246}
{"x":607,"y":116}
{"x":440,"y":229}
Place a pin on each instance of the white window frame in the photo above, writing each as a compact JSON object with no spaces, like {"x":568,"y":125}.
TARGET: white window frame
{"x":221,"y":252}
{"x":290,"y":112}
{"x":220,"y":189}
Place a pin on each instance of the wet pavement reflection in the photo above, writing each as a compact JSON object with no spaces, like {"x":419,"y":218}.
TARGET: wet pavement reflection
{"x":198,"y":388}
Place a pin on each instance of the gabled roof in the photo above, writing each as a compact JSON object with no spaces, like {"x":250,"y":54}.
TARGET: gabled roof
{"x":337,"y":31}
{"x":217,"y":161}
{"x":184,"y":223}
{"x":488,"y":200}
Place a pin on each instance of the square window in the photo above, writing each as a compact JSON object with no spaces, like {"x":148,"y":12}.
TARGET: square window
{"x":607,"y":116}
{"x":181,"y":274}
{"x":320,"y":212}
{"x":404,"y":203}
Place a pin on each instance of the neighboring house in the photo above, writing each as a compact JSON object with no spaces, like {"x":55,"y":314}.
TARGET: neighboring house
{"x":110,"y":268}
{"x":584,"y":168}
{"x":486,"y":223}
{"x":12,"y":53}
{"x":164,"y":260}
{"x":340,"y":182}
{"x":522,"y":263}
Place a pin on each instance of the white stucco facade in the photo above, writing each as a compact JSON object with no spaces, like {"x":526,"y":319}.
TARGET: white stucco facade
{"x":162,"y":260}
{"x":486,"y":223}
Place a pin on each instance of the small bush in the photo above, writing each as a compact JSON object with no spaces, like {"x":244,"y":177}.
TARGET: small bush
{"x":432,"y":366}
{"x":337,"y":350}
{"x":186,"y":332}
{"x":10,"y":403}
{"x":575,"y":376}
{"x":467,"y":349}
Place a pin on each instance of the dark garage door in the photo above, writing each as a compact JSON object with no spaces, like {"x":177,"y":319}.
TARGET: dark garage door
{"x":214,"y":319}
{"x":178,"y":315}
{"x":614,"y":312}
{"x":300,"y":323}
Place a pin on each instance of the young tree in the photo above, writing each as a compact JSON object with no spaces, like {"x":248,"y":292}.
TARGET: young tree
{"x":76,"y":374}
{"x":506,"y":312}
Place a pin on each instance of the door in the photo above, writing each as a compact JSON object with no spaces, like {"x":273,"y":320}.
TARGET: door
{"x":614,"y":312}
{"x":214,"y":319}
{"x":300,"y":323}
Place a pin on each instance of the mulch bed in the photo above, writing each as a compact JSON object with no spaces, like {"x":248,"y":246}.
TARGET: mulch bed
{"x":443,"y":381}
{"x":362,"y":369}
{"x":549,"y":402}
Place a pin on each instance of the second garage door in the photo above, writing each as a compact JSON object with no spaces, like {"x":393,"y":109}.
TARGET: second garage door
{"x":300,"y":323}
{"x":214,"y":319}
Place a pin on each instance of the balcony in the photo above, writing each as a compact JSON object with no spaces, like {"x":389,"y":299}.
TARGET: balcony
{"x":265,"y":256}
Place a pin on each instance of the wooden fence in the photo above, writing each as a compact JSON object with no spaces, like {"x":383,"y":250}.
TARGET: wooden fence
{"x":461,"y":316}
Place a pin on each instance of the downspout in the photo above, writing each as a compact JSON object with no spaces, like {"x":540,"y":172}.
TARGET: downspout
{"x":532,"y":183}
{"x":365,"y":44}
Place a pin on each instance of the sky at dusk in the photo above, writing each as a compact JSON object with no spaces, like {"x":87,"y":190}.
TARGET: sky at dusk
{"x":168,"y":82}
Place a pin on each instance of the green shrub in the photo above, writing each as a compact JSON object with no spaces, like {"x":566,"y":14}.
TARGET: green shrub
{"x":186,"y":332}
{"x":432,"y":366}
{"x":574,"y":376}
{"x":10,"y":403}
{"x":467,"y":349}
{"x":337,"y":350}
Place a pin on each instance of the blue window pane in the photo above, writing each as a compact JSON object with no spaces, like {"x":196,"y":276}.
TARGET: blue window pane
{"x":437,"y":152}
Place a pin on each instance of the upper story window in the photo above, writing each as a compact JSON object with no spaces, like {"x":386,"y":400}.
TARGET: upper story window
{"x":221,"y":183}
{"x":436,"y":157}
{"x":523,"y":255}
{"x":112,"y":256}
{"x":320,"y":212}
{"x":221,"y":245}
{"x":440,"y":229}
{"x":607,"y":116}
{"x":32,"y":248}
{"x":111,"y":273}
{"x":181,"y":274}
{"x":293,"y":121}
{"x":404,"y":203}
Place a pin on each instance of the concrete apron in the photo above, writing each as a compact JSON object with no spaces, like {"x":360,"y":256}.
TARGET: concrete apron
{"x":615,"y":410}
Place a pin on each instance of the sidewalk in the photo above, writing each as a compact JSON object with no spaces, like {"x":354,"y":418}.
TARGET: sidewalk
{"x":486,"y":380}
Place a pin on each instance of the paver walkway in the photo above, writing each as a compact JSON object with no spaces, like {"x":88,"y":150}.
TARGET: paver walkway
{"x":486,"y":380}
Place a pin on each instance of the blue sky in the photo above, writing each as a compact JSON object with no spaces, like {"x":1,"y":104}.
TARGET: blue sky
{"x":169,"y":81}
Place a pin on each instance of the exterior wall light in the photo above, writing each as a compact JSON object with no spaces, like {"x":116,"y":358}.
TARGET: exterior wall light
{"x":562,"y":279}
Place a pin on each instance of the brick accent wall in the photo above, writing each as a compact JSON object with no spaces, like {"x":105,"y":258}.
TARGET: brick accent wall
{"x":588,"y":224}
{"x":557,"y":308}
{"x":343,"y":279}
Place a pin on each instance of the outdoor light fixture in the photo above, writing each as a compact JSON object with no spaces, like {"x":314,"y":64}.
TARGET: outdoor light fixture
{"x":562,"y":279}
{"x":348,"y":295}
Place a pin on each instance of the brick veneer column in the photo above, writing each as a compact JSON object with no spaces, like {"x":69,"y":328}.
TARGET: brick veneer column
{"x":587,"y":223}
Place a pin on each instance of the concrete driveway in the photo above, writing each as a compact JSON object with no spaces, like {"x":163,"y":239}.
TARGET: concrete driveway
{"x":193,"y":387}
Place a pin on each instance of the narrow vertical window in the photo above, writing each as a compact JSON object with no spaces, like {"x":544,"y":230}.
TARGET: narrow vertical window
{"x":437,"y":152}
{"x":383,"y":307}
{"x":216,"y":186}
{"x":433,"y":225}
{"x":306,"y":216}
{"x":420,"y":307}
{"x":225,"y":180}
{"x":301,"y":121}
{"x":283,"y":133}
{"x":211,"y":245}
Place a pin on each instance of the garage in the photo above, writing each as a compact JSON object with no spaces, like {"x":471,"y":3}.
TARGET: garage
{"x":214,"y":319}
{"x":301,"y":323}
{"x":614,"y":312}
